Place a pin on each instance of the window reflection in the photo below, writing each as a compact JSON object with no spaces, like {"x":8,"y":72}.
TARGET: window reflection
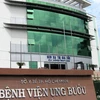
{"x":54,"y":43}
{"x":55,"y":20}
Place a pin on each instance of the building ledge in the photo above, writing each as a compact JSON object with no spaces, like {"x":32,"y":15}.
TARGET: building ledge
{"x":48,"y":72}
{"x":74,"y":12}
{"x":85,"y":3}
{"x":47,"y":29}
{"x":74,"y":3}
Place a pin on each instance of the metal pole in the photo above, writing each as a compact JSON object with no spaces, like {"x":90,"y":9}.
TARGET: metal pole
{"x":65,"y":43}
{"x":40,"y":55}
{"x":64,"y":35}
{"x":20,"y":51}
{"x":31,"y":52}
{"x":10,"y":54}
{"x":72,"y":44}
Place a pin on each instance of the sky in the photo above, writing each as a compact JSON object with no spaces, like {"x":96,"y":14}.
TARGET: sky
{"x":94,"y":9}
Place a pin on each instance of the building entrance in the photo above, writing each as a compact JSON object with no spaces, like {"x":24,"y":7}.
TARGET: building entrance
{"x":55,"y":65}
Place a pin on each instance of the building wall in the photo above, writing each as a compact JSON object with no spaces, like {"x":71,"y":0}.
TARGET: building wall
{"x":5,"y":37}
{"x":94,"y":43}
{"x":12,"y":14}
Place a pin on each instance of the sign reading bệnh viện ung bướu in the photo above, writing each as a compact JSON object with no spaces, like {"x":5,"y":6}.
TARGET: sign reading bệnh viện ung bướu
{"x":46,"y":87}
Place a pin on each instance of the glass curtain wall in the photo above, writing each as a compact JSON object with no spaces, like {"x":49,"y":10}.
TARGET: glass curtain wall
{"x":54,"y":43}
{"x":56,"y":20}
{"x":45,"y":42}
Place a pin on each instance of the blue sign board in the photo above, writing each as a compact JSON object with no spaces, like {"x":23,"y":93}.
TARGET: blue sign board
{"x":58,"y":58}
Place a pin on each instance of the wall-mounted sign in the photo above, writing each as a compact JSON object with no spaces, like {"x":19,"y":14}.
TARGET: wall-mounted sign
{"x":44,"y":84}
{"x":57,"y":58}
{"x":38,"y":92}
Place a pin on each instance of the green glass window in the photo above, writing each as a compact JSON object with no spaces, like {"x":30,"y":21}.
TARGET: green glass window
{"x":33,"y":64}
{"x":45,"y":42}
{"x":55,"y":20}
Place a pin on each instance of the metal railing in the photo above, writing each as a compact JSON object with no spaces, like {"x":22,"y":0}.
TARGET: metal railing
{"x":18,"y":20}
{"x":22,"y":53}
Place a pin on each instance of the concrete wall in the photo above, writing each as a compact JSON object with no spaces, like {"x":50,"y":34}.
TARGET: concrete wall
{"x":11,"y":14}
{"x":94,"y":43}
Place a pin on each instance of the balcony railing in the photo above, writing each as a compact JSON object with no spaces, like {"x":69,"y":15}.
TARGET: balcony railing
{"x":18,"y":20}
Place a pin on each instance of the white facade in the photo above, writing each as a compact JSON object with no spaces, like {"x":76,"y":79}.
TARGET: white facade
{"x":94,"y":43}
{"x":9,"y":14}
